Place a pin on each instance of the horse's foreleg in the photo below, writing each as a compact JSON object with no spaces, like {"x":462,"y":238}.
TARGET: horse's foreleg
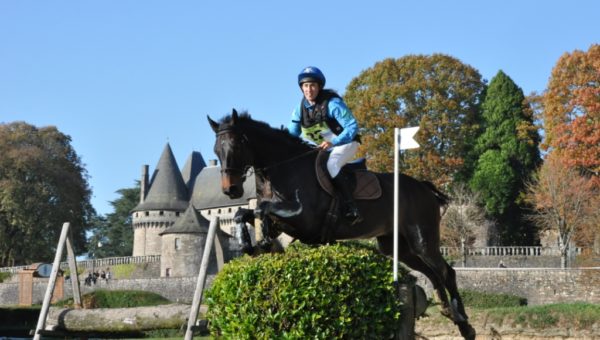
{"x":242,"y":217}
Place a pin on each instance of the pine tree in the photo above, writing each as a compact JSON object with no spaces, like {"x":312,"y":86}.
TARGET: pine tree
{"x":508,"y":155}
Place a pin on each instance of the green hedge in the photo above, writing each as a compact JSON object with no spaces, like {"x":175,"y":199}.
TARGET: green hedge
{"x":102,"y":298}
{"x":339,"y":291}
{"x":490,"y":300}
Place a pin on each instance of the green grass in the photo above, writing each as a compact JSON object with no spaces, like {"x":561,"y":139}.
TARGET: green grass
{"x":577,"y":315}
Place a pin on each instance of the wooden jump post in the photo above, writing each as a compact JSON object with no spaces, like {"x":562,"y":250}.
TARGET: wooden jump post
{"x":210,"y":238}
{"x":64,"y":238}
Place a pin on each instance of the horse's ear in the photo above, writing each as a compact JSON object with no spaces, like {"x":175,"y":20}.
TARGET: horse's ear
{"x":234,"y":116}
{"x":214,"y":125}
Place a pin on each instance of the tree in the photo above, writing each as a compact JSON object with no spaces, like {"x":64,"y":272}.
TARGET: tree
{"x":438,"y":93}
{"x":571,"y":117}
{"x":508,"y":156}
{"x":42,"y":185}
{"x":113,"y":234}
{"x":464,"y":222}
{"x":571,"y":110}
{"x":565,"y":202}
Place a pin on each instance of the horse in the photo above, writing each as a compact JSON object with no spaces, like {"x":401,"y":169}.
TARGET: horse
{"x":292,"y":199}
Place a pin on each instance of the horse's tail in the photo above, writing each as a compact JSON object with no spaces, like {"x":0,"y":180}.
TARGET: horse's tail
{"x":442,"y":198}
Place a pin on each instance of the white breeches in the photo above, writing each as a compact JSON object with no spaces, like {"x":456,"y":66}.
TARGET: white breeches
{"x":339,"y":156}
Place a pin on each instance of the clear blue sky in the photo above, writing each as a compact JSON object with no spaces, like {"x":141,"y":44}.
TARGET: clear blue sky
{"x":124,"y":77}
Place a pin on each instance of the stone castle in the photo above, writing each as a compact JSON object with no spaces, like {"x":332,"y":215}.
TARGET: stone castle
{"x":175,"y":207}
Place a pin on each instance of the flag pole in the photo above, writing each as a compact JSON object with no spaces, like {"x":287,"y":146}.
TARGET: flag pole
{"x":396,"y":172}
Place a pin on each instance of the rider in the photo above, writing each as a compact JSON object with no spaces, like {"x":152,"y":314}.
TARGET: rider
{"x":323,"y":117}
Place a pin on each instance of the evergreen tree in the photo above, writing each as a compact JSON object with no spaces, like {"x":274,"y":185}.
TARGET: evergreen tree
{"x":113,"y":234}
{"x":508,"y":155}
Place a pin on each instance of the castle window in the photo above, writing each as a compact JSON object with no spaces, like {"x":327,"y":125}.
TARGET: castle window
{"x":219,"y":211}
{"x":168,"y":272}
{"x":208,"y":212}
{"x":177,"y":213}
{"x":147,"y":213}
{"x":161,"y":213}
{"x":177,"y":243}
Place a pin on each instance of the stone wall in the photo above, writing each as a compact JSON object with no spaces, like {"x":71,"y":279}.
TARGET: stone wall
{"x":539,"y":286}
{"x":176,"y":289}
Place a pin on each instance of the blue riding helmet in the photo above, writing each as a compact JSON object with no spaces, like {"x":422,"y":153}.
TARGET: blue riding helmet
{"x":311,"y":73}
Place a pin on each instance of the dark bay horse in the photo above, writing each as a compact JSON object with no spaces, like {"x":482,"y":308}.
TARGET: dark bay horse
{"x":284,"y":168}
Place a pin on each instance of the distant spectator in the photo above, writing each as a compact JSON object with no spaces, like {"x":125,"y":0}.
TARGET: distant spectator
{"x":89,"y":279}
{"x":501,"y":264}
{"x":107,"y":274}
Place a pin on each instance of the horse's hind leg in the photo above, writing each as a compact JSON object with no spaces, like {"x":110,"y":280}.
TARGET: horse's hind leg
{"x":442,"y":276}
{"x":415,"y":262}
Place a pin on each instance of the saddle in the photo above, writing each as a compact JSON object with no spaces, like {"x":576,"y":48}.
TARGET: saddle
{"x":366,"y":184}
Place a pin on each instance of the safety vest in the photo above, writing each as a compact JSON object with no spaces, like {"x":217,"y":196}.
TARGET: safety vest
{"x":316,"y":124}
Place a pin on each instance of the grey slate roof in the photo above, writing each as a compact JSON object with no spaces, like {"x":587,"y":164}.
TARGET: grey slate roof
{"x":194,"y":164}
{"x":191,"y":222}
{"x":207,"y":192}
{"x":167,"y":190}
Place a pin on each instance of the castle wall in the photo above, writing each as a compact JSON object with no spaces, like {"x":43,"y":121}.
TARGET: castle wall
{"x":139,"y":241}
{"x":182,"y":255}
{"x":147,"y":226}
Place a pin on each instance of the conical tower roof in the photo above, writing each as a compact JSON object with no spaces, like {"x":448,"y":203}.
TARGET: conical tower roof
{"x":194,"y":164}
{"x":167,"y":190}
{"x":189,"y":223}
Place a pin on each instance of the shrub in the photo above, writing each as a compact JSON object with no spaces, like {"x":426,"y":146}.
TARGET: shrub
{"x":102,"y":298}
{"x":5,"y":276}
{"x":491,"y":300}
{"x":339,"y":291}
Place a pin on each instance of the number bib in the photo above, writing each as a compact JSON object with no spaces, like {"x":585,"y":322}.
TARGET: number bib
{"x":317,"y":133}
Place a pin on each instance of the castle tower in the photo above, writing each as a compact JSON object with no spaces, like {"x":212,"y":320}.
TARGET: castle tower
{"x":183,"y":245}
{"x":162,"y":200}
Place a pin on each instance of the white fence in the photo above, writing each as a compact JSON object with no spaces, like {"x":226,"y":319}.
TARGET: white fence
{"x":507,"y":251}
{"x":446,"y":251}
{"x":97,"y":263}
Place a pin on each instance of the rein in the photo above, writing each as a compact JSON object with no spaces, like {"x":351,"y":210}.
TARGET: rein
{"x":263,"y":169}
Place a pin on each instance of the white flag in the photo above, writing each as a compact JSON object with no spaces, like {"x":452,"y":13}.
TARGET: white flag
{"x":406,"y":138}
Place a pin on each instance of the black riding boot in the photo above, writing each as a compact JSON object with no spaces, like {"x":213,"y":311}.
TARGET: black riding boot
{"x":349,"y":209}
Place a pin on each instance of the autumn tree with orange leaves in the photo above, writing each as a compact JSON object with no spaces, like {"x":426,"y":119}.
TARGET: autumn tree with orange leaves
{"x":565,"y":201}
{"x":571,"y":111}
{"x":571,"y":117}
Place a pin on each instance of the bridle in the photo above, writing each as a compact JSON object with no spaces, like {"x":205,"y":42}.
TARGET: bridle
{"x":242,"y":172}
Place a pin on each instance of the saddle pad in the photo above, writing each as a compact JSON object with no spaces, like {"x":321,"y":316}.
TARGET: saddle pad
{"x":367,"y":184}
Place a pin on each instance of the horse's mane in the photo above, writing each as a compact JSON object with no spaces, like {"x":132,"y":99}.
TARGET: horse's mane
{"x":282,"y":135}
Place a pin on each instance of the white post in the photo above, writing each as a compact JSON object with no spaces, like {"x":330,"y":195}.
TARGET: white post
{"x":403,"y":139}
{"x":214,"y":222}
{"x":51,"y":282}
{"x":396,"y":177}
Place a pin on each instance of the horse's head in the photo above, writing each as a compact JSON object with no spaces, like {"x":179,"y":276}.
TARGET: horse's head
{"x":231,"y":146}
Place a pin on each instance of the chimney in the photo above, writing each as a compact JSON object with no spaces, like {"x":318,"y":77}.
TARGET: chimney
{"x":212,"y":162}
{"x":144,"y":183}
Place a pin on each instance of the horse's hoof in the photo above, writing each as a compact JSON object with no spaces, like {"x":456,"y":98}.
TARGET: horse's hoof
{"x":466,"y":330}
